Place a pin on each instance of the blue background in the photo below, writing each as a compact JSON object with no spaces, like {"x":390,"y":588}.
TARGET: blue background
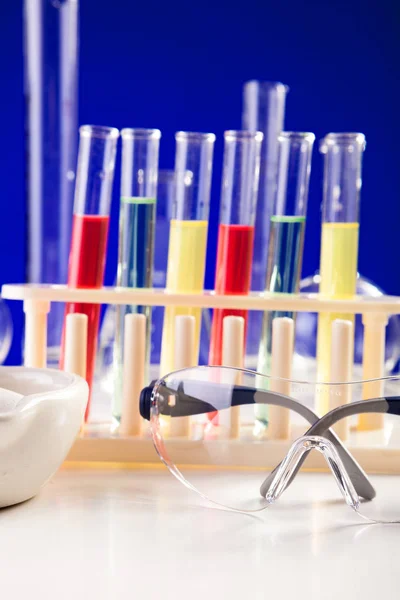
{"x":181,"y":65}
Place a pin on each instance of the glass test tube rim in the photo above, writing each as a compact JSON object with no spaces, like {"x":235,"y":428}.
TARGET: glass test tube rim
{"x":194,"y":136}
{"x":345,"y":138}
{"x":242,"y":135}
{"x":98,"y":131}
{"x":139,"y":133}
{"x":306,"y":136}
{"x":265,"y":84}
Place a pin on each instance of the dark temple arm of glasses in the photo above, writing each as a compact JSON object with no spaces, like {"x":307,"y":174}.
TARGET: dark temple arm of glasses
{"x":390,"y":405}
{"x":239,"y":396}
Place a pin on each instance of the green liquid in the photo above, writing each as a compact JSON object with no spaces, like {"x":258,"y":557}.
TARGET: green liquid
{"x":135,"y":270}
{"x":285,"y":258}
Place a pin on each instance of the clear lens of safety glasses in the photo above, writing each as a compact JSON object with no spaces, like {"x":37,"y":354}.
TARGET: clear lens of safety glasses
{"x":220,"y":406}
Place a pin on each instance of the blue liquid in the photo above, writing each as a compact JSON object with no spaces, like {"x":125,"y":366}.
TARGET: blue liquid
{"x":136,"y":242}
{"x":135,"y":270}
{"x":285,"y":258}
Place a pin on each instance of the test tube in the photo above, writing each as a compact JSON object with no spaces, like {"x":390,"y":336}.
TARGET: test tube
{"x":165,"y":197}
{"x":92,"y":202}
{"x":165,"y":201}
{"x":286,"y":240}
{"x":339,"y":244}
{"x":139,"y":173}
{"x":264,"y":110}
{"x":241,"y":168}
{"x":188,"y":233}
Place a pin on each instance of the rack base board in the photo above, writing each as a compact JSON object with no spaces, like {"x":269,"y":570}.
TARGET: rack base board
{"x":228,"y":454}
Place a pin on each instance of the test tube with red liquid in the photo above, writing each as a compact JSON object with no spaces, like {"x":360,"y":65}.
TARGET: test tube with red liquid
{"x":92,"y":203}
{"x":240,"y":177}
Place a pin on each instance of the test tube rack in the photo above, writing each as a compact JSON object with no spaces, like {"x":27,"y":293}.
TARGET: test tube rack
{"x":138,"y":449}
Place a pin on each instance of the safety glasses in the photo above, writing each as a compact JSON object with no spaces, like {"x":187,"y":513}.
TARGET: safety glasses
{"x":206,"y":416}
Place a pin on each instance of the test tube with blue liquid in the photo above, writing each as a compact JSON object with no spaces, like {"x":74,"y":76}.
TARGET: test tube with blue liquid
{"x":139,"y":174}
{"x":286,"y":240}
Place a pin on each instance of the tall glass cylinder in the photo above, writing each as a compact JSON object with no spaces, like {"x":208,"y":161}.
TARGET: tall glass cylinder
{"x":92,"y":203}
{"x":188,"y":232}
{"x":340,"y":229}
{"x":136,"y":233}
{"x":51,"y":76}
{"x":287,"y":230}
{"x":241,"y":169}
{"x":264,"y":110}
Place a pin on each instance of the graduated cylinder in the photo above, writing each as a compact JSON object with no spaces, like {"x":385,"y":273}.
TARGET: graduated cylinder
{"x":264,"y":110}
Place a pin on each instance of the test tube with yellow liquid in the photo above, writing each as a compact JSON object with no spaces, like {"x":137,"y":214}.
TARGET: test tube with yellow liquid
{"x":339,"y":244}
{"x":188,"y":233}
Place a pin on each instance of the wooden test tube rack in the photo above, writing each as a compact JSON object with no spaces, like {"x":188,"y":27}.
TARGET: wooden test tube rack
{"x":138,"y":448}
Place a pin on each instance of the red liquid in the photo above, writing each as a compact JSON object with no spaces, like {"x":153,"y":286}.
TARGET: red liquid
{"x":233,"y":273}
{"x":86,"y":270}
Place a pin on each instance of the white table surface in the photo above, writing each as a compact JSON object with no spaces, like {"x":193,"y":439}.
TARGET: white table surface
{"x":97,"y":533}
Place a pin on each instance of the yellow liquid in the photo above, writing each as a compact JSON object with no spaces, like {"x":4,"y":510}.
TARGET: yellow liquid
{"x":338,"y":270}
{"x":185,"y":273}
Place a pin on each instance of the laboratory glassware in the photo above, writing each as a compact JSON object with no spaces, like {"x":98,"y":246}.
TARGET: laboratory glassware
{"x":263,"y":110}
{"x":287,"y":230}
{"x":139,"y":174}
{"x":51,"y":89}
{"x":340,"y":231}
{"x":241,"y":168}
{"x":92,"y":203}
{"x":188,"y":232}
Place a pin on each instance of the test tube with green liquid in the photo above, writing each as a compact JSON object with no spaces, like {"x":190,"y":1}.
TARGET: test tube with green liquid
{"x":286,"y":238}
{"x":139,"y":175}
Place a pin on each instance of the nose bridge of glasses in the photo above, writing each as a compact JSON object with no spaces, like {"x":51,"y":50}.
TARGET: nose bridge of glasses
{"x":295,"y":457}
{"x":286,"y":470}
{"x":337,"y":468}
{"x":320,"y":427}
